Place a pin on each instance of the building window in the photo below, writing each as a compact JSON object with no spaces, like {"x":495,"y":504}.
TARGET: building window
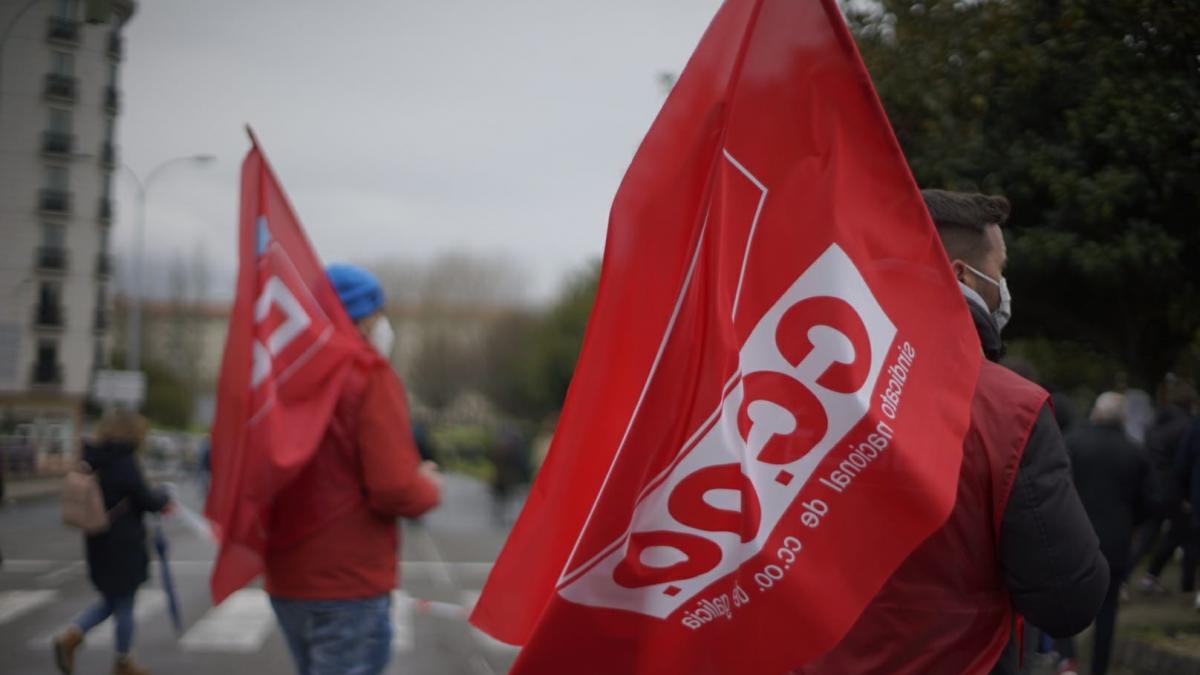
{"x":45,"y":369}
{"x":62,"y":64}
{"x":48,"y":296}
{"x":66,"y":9}
{"x":49,"y":312}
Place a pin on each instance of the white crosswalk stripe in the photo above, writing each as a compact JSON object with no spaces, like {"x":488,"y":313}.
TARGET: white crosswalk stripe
{"x":238,"y":625}
{"x":16,"y":603}
{"x":402,"y":622}
{"x":31,"y":566}
{"x":147,"y":603}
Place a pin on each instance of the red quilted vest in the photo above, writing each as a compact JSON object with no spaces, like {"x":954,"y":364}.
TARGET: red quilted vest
{"x":946,"y":609}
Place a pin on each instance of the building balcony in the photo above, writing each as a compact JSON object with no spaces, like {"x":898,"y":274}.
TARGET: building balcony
{"x":61,"y":88}
{"x":46,"y":374}
{"x":112,"y":99}
{"x":116,"y":46}
{"x":63,"y":30}
{"x":57,"y":143}
{"x":108,"y":155}
{"x":51,"y":259}
{"x":54,"y":202}
{"x":48,"y":316}
{"x":105,"y":213}
{"x":104,"y":265}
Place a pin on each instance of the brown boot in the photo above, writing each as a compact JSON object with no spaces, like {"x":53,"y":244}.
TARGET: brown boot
{"x":124,"y":665}
{"x":65,"y":644}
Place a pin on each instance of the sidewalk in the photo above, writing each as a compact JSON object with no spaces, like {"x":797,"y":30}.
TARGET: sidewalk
{"x":34,"y":487}
{"x":1157,"y":634}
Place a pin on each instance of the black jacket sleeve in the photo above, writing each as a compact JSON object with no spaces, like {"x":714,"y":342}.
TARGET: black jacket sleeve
{"x":1049,"y":551}
{"x":135,"y":488}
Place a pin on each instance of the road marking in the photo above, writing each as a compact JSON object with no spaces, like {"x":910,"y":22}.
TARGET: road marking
{"x":30,"y":566}
{"x":469,"y":598}
{"x":58,"y":576}
{"x":441,"y":572}
{"x":182,"y":567}
{"x":147,"y":602}
{"x":239,"y":624}
{"x":402,"y":622}
{"x":16,"y":603}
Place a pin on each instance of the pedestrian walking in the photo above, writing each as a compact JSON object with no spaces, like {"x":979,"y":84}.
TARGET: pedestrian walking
{"x":1163,"y":441}
{"x":332,"y":537}
{"x":1115,"y":482}
{"x":117,"y":557}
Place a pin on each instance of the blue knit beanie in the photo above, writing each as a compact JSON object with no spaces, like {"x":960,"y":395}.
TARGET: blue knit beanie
{"x":357,"y":288}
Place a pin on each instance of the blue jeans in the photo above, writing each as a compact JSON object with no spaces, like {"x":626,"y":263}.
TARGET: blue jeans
{"x":120,"y":608}
{"x":337,"y":637}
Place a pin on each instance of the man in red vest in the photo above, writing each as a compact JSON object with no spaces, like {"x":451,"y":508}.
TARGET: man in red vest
{"x":1018,"y":541}
{"x":332,"y":550}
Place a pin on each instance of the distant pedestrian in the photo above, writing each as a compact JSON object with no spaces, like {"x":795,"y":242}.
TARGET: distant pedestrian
{"x":117,"y":558}
{"x":1163,"y":441}
{"x":204,"y":467}
{"x":1114,"y":480}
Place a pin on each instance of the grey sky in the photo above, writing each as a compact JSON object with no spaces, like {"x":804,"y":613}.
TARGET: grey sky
{"x":399,"y":129}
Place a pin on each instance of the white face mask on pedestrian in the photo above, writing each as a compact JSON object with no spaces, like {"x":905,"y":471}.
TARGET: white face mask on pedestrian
{"x":1003,"y":312}
{"x":382,"y":337}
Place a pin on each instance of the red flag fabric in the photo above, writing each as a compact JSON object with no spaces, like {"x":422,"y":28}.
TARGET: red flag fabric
{"x":289,"y":345}
{"x":768,"y":412}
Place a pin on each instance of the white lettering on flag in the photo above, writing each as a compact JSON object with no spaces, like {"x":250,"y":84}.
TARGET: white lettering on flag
{"x":806,"y":373}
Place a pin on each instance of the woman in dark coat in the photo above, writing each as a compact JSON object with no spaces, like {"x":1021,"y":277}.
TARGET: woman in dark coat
{"x":117,"y":558}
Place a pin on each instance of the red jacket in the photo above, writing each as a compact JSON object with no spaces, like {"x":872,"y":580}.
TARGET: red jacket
{"x":946,"y":610}
{"x":333,"y":531}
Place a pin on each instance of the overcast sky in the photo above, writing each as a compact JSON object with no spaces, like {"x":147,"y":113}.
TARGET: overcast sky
{"x":399,"y":129}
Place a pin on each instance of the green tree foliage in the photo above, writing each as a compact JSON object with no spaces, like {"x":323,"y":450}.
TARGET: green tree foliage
{"x":1087,"y":116}
{"x":532,"y":355}
{"x":168,"y":397}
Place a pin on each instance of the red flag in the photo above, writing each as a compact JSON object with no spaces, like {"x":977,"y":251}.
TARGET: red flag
{"x":768,"y":412}
{"x":289,"y":346}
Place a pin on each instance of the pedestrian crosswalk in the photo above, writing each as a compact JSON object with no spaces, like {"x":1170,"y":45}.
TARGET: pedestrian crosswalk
{"x":240,"y":625}
{"x":15,"y":603}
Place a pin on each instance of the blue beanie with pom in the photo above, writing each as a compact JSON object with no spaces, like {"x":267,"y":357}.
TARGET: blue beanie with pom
{"x":357,"y":288}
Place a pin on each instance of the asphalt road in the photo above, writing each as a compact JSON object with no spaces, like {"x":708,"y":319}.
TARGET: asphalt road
{"x":43,"y":585}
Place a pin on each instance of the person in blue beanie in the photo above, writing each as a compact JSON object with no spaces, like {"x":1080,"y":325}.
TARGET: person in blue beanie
{"x":332,"y":548}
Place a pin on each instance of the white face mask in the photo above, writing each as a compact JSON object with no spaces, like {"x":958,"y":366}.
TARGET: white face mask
{"x":382,"y":337}
{"x":1003,"y":313}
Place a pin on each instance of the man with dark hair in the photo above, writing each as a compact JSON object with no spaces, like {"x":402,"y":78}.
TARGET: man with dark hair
{"x":1018,"y":541}
{"x":1049,"y":551}
{"x":969,"y":225}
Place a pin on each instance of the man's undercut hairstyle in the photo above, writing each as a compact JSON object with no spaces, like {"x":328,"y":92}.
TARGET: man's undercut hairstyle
{"x":962,"y":219}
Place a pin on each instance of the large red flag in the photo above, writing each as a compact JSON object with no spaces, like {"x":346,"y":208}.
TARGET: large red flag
{"x":289,"y":346}
{"x":768,"y":413}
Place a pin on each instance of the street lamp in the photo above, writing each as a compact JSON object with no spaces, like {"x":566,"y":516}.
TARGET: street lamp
{"x":133,"y":341}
